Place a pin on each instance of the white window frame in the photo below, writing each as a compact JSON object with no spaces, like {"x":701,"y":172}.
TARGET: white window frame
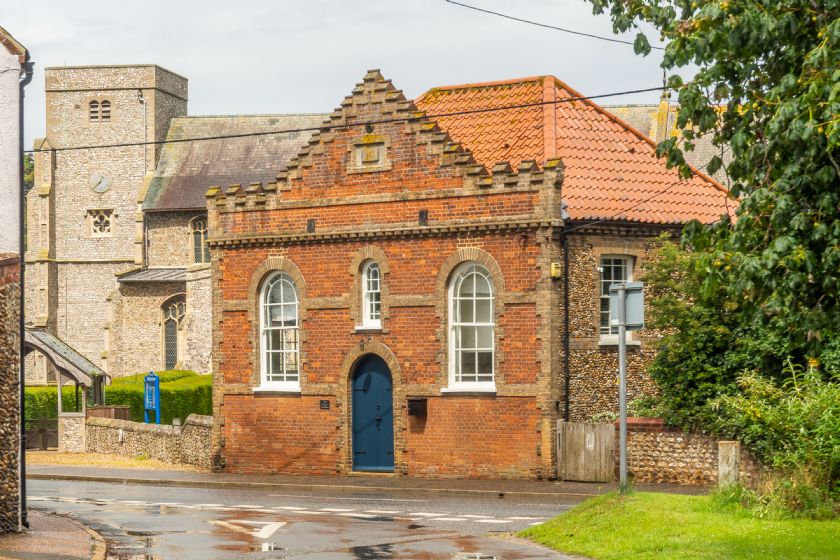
{"x":457,"y":278}
{"x":371,"y":319}
{"x":629,"y":262}
{"x":286,"y":384}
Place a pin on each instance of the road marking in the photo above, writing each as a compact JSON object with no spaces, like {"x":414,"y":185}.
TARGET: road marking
{"x":422,"y":514}
{"x":384,"y":511}
{"x":449,"y":519}
{"x":263,"y":530}
{"x":247,"y":506}
{"x":359,"y":515}
{"x":476,"y":516}
{"x":523,"y":518}
{"x":338,"y":510}
{"x":168,"y":504}
{"x":135,"y":502}
{"x":305,"y":512}
{"x":343,"y":498}
{"x":493,"y":521}
{"x":210,"y":505}
{"x":290,"y":508}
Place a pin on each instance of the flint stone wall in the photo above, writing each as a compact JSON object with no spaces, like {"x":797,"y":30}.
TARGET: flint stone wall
{"x":659,"y":454}
{"x":9,"y":393}
{"x":187,"y":445}
{"x":71,"y":432}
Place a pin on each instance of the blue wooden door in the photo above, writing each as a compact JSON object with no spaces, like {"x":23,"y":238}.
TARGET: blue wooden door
{"x":373,"y":416}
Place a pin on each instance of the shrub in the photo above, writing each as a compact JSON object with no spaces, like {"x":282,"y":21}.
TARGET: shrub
{"x":182,"y":393}
{"x":794,"y":427}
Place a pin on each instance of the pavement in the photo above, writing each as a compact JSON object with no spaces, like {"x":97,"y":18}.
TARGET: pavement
{"x":52,"y":537}
{"x":541,"y":490}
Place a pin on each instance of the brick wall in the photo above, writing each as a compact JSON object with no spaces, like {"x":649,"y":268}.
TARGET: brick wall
{"x":9,"y":393}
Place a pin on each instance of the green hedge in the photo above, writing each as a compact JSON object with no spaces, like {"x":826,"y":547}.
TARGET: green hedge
{"x":181,"y":393}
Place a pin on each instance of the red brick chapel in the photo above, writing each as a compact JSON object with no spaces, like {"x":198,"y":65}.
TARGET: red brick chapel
{"x":421,"y":291}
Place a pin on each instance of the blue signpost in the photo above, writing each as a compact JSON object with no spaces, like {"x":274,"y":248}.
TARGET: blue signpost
{"x":151,"y":396}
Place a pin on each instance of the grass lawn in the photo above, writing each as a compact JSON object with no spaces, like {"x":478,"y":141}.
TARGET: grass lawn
{"x":657,"y":526}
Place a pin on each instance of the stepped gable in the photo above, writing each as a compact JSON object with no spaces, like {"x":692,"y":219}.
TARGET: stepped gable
{"x":378,"y":114}
{"x":609,"y":166}
{"x":187,"y":168}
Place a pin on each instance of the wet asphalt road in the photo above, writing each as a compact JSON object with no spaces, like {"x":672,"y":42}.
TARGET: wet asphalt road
{"x":151,"y":522}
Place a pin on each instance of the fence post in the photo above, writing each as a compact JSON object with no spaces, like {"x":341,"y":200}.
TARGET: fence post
{"x":729,"y":454}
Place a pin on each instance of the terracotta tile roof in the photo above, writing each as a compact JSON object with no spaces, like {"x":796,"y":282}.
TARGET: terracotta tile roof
{"x":610,"y":166}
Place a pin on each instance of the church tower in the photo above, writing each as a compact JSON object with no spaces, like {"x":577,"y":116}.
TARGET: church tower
{"x":83,"y":222}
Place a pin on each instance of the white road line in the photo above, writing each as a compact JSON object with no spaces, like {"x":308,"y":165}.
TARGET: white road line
{"x":344,"y":498}
{"x":493,"y":521}
{"x":135,"y":502}
{"x":384,"y":511}
{"x":247,"y":506}
{"x":522,"y":518}
{"x":359,"y":515}
{"x":338,"y":510}
{"x":305,"y":512}
{"x":422,"y":514}
{"x":167,"y":504}
{"x":210,"y":505}
{"x":448,"y":519}
{"x":290,"y":508}
{"x":469,"y":516}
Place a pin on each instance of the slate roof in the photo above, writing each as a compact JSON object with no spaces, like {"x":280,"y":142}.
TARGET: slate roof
{"x":186,"y":170}
{"x":62,"y":354}
{"x":154,"y":275}
{"x":610,"y":166}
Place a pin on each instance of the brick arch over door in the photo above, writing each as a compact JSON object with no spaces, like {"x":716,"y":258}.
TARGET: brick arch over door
{"x":344,"y":400}
{"x":453,"y":261}
{"x":263,"y":271}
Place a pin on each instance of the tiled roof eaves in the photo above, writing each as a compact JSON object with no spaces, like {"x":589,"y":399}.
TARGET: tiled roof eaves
{"x":630,"y":128}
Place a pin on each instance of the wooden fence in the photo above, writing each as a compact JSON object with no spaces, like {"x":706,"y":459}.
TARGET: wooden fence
{"x":585,"y":452}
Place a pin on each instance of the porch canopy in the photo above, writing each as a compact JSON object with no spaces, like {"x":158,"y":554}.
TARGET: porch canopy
{"x":71,"y":365}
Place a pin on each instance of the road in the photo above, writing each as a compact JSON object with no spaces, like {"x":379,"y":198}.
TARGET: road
{"x":161,"y":522}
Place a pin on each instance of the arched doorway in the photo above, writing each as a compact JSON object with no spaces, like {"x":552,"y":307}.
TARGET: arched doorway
{"x":373,"y":416}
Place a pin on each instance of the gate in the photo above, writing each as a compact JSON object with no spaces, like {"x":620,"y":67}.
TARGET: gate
{"x":585,"y":452}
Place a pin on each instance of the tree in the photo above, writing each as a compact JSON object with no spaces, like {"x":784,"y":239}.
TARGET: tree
{"x":767,"y":87}
{"x":28,"y":171}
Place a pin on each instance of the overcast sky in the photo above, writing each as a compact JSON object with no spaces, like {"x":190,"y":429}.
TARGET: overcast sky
{"x":262,"y":56}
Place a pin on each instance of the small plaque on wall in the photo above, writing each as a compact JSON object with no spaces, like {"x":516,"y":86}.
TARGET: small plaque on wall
{"x":325,"y":404}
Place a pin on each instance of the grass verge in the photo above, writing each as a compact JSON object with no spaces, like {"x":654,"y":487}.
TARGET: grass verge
{"x":642,"y":526}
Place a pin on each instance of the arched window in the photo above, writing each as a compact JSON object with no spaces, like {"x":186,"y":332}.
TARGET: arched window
{"x":201,"y":250}
{"x":93,"y":111}
{"x":173,"y":310}
{"x":280,"y":333}
{"x":105,"y":111}
{"x":371,"y":295}
{"x":472,"y":327}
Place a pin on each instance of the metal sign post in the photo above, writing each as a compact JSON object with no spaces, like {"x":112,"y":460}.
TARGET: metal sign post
{"x":151,"y":396}
{"x":627,"y":312}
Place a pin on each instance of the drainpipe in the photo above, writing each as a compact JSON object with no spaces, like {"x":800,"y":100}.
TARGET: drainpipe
{"x":566,"y":333}
{"x":24,"y":81}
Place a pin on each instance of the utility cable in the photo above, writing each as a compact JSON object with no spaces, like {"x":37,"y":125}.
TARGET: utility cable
{"x":351,"y":125}
{"x":554,"y":27}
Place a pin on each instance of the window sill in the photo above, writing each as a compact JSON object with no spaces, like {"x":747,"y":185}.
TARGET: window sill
{"x":469,"y":389}
{"x":368,"y":329}
{"x":613,"y":342}
{"x":290,"y":389}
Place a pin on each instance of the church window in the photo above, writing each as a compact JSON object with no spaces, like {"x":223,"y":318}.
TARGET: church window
{"x":201,"y":249}
{"x":105,"y":111}
{"x":101,"y":223}
{"x":174,"y":310}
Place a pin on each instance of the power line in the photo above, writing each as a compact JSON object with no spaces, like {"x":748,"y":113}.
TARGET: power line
{"x":350,"y":125}
{"x":554,"y":27}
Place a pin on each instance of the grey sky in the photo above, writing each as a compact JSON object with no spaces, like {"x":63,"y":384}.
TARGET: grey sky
{"x":252,"y":56}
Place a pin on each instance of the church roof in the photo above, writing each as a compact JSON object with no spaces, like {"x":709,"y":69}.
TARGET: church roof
{"x":186,"y":169}
{"x":611,"y":169}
